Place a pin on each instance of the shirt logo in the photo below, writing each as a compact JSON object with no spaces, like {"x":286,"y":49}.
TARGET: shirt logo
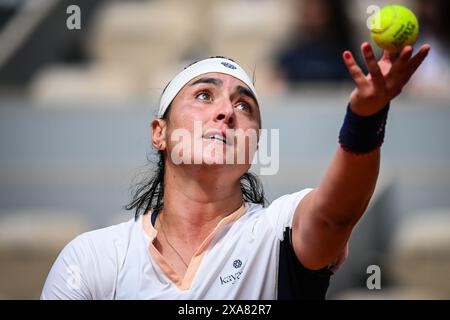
{"x":234,"y":276}
{"x":237,"y":263}
{"x":228,"y":65}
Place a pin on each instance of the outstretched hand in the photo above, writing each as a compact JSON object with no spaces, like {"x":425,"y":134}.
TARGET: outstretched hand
{"x":385,"y":80}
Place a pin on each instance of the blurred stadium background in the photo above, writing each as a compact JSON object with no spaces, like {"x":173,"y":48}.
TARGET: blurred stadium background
{"x":75,"y":109}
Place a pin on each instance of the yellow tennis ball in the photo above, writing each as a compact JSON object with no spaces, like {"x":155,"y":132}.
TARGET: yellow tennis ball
{"x":394,"y":27}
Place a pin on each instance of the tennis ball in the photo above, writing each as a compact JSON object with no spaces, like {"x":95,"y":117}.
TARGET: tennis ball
{"x":394,"y":27}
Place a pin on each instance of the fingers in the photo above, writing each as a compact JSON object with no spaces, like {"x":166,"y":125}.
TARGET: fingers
{"x":391,"y":73}
{"x":405,"y":54}
{"x":417,"y":60}
{"x":354,"y":70}
{"x":405,"y":66}
{"x":372,"y":64}
{"x":391,"y":56}
{"x":401,"y":62}
{"x":387,"y":55}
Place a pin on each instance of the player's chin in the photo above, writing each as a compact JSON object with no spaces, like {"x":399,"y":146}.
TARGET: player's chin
{"x":231,"y":171}
{"x":216,"y":160}
{"x":224,"y":159}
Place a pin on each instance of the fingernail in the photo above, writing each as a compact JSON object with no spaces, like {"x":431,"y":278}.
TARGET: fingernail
{"x":347,"y":55}
{"x":367,"y":48}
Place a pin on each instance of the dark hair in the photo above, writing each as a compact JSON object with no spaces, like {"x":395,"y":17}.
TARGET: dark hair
{"x":149,"y":193}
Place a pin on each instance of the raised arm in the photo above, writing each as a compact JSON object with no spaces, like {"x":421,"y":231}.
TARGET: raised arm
{"x":325,"y":218}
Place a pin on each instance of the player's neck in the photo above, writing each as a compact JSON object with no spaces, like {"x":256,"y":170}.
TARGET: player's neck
{"x":193,"y":207}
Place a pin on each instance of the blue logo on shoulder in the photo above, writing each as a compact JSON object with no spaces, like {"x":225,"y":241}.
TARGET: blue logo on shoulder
{"x":228,"y":65}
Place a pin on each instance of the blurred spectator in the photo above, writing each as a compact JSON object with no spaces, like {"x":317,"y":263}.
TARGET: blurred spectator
{"x":433,"y":77}
{"x":320,"y":36}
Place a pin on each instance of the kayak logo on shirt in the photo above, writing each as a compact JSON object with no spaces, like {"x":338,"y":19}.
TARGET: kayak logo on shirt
{"x":233,"y":277}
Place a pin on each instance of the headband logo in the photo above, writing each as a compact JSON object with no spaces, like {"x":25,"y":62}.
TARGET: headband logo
{"x":228,"y":65}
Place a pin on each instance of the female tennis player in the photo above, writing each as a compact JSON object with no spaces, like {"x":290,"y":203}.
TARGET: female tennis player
{"x":201,"y":229}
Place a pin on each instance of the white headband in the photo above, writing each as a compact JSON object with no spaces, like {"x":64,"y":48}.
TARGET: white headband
{"x":204,"y":66}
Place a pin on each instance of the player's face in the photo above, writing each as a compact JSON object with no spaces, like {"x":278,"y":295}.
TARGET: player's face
{"x":222,"y":119}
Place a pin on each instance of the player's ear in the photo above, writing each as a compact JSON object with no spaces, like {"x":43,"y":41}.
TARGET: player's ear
{"x":159,"y":134}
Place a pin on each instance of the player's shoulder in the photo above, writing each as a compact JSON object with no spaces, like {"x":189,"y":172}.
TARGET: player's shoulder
{"x":278,"y":214}
{"x":116,"y":231}
{"x":289,"y":199}
{"x":88,"y":265}
{"x":105,"y":241}
{"x":280,"y":203}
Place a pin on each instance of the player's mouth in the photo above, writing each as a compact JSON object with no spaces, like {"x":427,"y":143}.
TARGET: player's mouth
{"x":216,"y":135}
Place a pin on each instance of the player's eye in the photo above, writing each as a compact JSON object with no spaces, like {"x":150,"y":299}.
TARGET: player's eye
{"x":243,"y":106}
{"x":204,"y":96}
